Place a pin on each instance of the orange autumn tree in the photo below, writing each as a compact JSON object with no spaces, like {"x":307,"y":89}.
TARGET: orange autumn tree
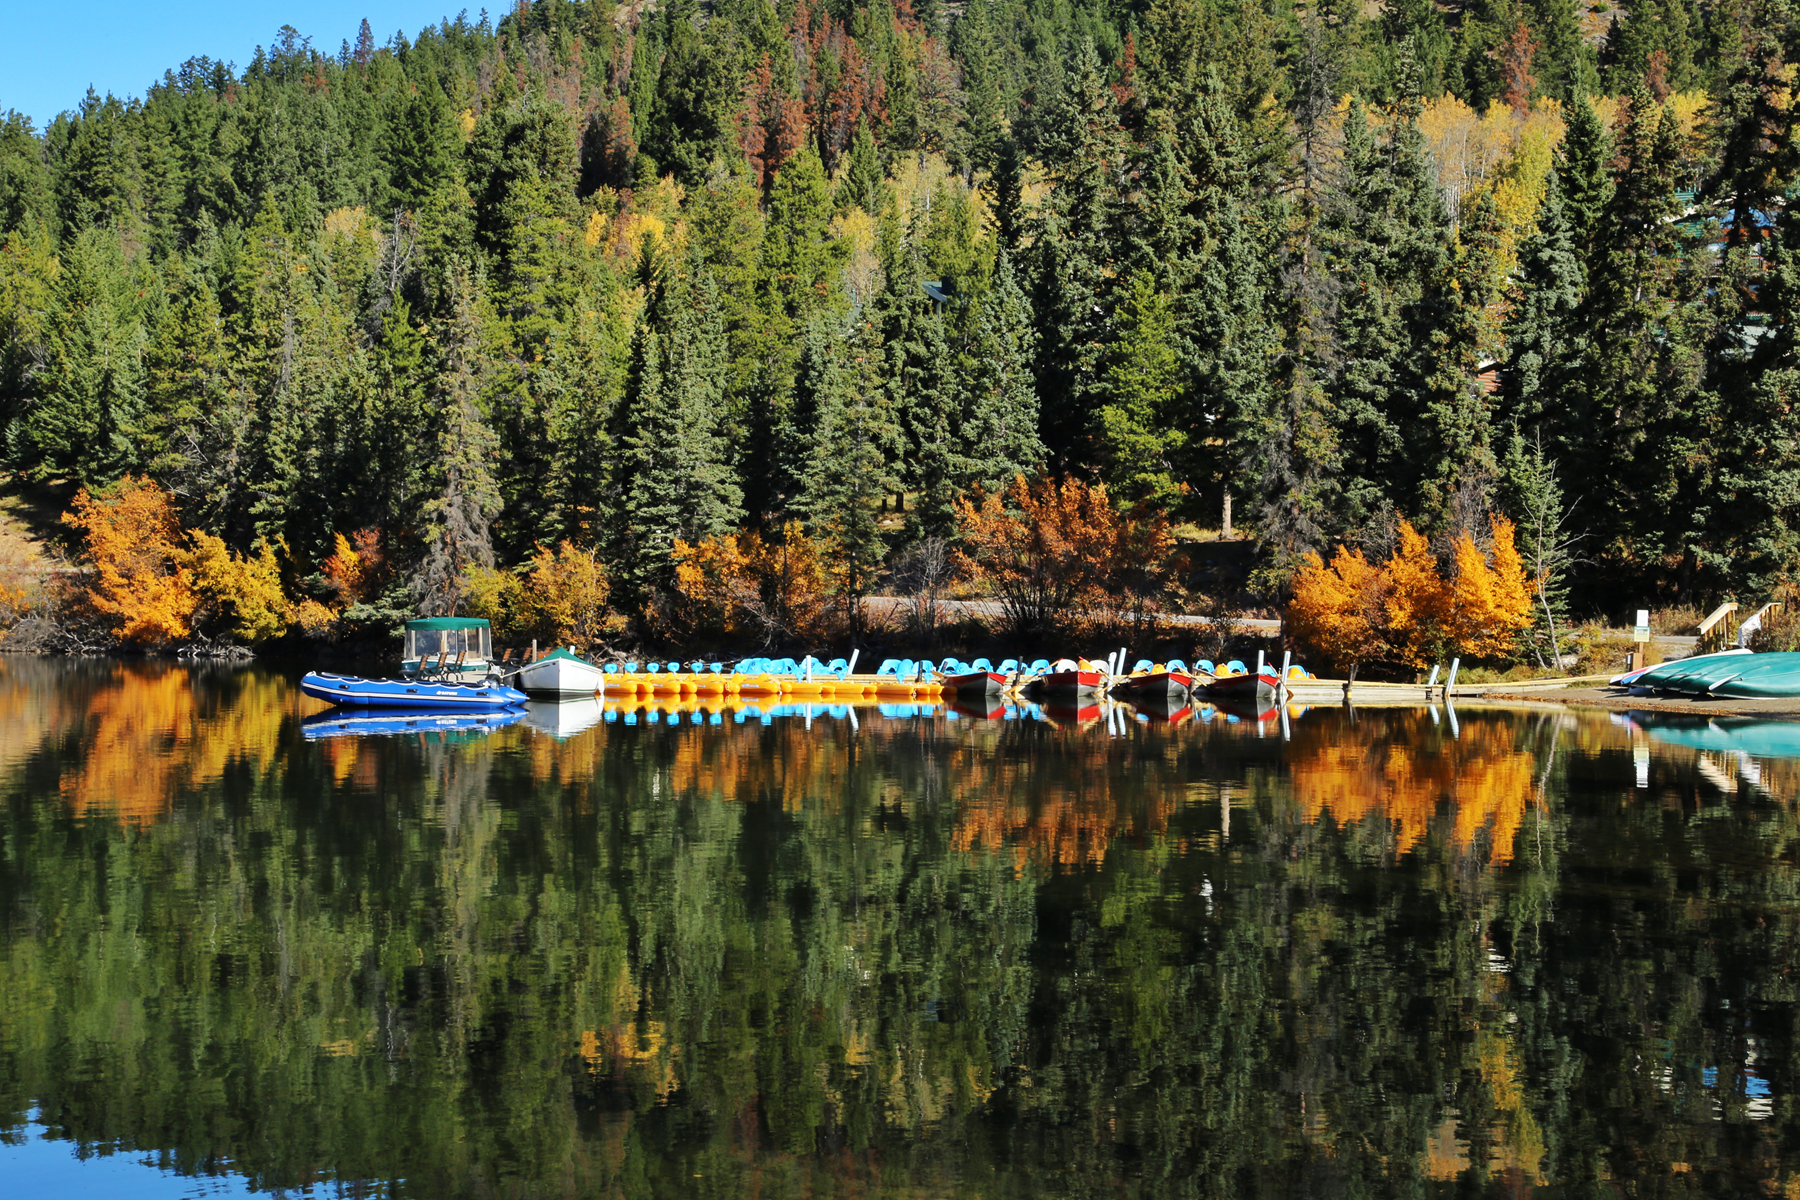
{"x":1059,"y":552}
{"x":743,"y":584}
{"x":152,"y":585}
{"x":1409,"y":613}
{"x":1490,"y":599}
{"x":142,"y":586}
{"x":1340,"y":609}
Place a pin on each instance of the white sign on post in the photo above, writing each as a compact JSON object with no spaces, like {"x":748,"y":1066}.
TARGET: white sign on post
{"x":1642,"y":632}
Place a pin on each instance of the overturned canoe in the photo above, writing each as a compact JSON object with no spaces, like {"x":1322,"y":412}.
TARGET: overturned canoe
{"x":1681,"y":672}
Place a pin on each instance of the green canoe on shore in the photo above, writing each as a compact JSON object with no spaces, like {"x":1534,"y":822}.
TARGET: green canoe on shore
{"x":1774,"y":676}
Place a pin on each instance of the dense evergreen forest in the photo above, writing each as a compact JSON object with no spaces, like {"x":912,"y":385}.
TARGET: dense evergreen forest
{"x":622,"y":275}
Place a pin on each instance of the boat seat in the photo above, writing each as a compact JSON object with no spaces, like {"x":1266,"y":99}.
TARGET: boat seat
{"x":889,"y":666}
{"x":631,"y":668}
{"x":611,"y":668}
{"x":1007,"y":666}
{"x":1038,"y":666}
{"x":1175,"y":664}
{"x":1236,"y":667}
{"x":1144,"y":664}
{"x":717,"y":669}
{"x":654,"y":668}
{"x":673,"y":668}
{"x":1204,"y":666}
{"x":981,"y":664}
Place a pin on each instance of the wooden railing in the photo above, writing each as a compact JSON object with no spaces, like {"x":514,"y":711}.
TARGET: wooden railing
{"x":1718,"y":630}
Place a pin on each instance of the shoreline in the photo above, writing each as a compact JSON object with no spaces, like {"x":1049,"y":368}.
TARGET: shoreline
{"x":1606,"y":698}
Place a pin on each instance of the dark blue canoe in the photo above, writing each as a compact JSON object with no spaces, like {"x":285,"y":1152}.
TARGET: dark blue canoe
{"x":419,"y":695}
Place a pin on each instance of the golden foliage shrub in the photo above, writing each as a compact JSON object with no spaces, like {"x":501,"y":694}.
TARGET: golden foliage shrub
{"x":742,"y":585}
{"x":239,"y":596}
{"x":560,"y":599}
{"x":565,"y":594}
{"x":1409,"y":613}
{"x":1060,"y":554}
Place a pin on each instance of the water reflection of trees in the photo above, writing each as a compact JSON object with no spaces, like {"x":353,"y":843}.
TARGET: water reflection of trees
{"x":967,"y":957}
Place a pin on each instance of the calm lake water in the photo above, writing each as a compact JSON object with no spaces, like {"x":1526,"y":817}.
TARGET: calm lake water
{"x":1394,"y":952}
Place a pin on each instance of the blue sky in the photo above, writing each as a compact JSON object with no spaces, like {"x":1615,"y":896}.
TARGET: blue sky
{"x":50,"y":54}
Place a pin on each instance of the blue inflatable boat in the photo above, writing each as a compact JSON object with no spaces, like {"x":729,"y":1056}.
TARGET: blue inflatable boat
{"x":418,"y":695}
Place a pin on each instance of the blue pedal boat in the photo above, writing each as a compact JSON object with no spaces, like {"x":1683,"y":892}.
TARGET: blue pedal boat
{"x":419,"y":695}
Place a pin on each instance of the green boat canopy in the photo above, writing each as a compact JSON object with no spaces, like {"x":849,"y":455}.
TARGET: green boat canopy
{"x":428,"y":623}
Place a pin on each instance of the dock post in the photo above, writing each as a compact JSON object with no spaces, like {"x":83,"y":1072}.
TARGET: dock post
{"x":1287,"y":656}
{"x":1432,"y":682}
{"x":851,"y":669}
{"x":1454,"y":664}
{"x":1350,"y":682}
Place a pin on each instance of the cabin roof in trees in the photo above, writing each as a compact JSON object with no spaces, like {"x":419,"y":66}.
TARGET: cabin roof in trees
{"x":424,"y":624}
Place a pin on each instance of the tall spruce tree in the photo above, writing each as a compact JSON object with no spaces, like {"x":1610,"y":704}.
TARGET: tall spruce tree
{"x":462,"y":498}
{"x":1000,"y":405}
{"x":87,"y":421}
{"x":675,"y":475}
{"x":855,"y":450}
{"x":1545,"y":329}
{"x":1083,"y":150}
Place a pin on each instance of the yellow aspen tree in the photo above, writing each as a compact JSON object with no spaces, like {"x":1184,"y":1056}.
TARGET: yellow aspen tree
{"x":1417,"y":601}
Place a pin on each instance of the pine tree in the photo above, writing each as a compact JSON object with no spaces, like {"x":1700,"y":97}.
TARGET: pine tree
{"x":1137,"y":438}
{"x":1582,"y":173}
{"x":674,"y":475}
{"x":1386,"y":225}
{"x":856,"y":446}
{"x":1000,"y":408}
{"x":917,"y":360}
{"x":1564,"y":63}
{"x":1544,"y":326}
{"x":24,"y":185}
{"x":463,"y":499}
{"x":865,"y":184}
{"x":420,"y":146}
{"x":1532,"y":496}
{"x":1083,"y":149}
{"x":1750,"y":120}
{"x":87,"y":421}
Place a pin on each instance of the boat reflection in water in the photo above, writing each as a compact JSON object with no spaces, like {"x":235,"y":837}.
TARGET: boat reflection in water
{"x":795,"y":949}
{"x":338,"y":722}
{"x":1755,"y":736}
